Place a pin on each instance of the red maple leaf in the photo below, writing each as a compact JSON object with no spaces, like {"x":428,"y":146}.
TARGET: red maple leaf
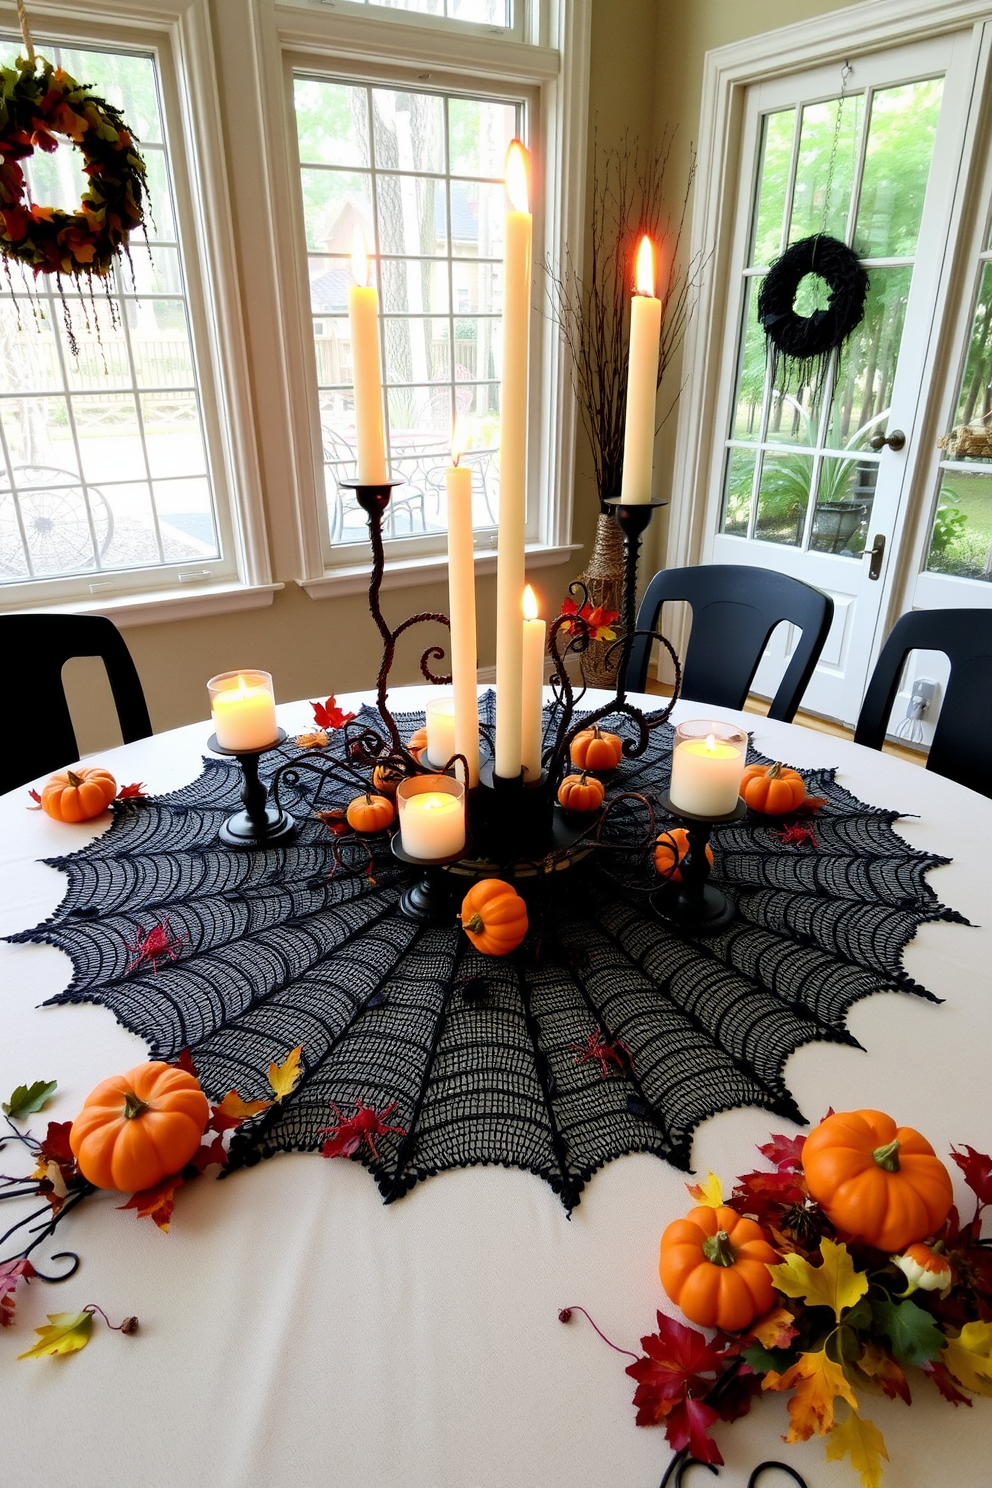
{"x":675,"y":1359}
{"x":784,"y":1153}
{"x":596,"y":619}
{"x":36,"y":799}
{"x":185,"y":1062}
{"x":938,"y":1373}
{"x":759,"y":1194}
{"x":688,"y":1425}
{"x":977,"y":1170}
{"x":135,"y":792}
{"x":364,"y":1126}
{"x":328,"y":715}
{"x":209,"y":1152}
{"x":55,"y":1147}
{"x":156,"y":1203}
{"x":334,"y":820}
{"x":11,"y":1272}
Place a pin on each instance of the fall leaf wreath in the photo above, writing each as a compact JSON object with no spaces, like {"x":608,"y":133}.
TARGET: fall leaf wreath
{"x":38,"y":104}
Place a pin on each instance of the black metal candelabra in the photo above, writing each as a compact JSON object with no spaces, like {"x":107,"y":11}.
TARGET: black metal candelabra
{"x":261,"y":824}
{"x":692,"y":903}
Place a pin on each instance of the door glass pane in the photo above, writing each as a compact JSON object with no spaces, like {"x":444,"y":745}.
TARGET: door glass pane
{"x":975,"y":394}
{"x":843,"y":506}
{"x":817,"y":195}
{"x":783,"y":497}
{"x":773,"y":184}
{"x":740,"y":479}
{"x":751,"y":381}
{"x":867,"y":369}
{"x":897,"y":164}
{"x":961,"y":538}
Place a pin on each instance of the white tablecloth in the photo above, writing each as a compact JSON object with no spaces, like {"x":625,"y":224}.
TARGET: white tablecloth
{"x":296,"y":1333}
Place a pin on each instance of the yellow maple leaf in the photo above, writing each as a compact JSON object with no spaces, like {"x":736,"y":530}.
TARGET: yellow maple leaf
{"x":65,"y":1333}
{"x":817,"y":1381}
{"x":835,"y":1284}
{"x":862,"y":1441}
{"x":709,"y":1193}
{"x":969,"y":1357}
{"x":283,"y":1078}
{"x":233,"y":1105}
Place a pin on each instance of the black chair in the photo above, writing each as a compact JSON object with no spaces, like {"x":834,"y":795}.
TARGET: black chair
{"x":34,"y":649}
{"x":962,"y":740}
{"x":734,"y":611}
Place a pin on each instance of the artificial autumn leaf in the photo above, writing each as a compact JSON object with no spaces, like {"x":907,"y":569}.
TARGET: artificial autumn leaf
{"x":284,"y":1078}
{"x":315,"y":740}
{"x":775,"y":1329}
{"x":875,"y":1364}
{"x":55,"y":1147}
{"x":185,"y":1062}
{"x":207,"y":1153}
{"x":334,"y":820}
{"x":329,"y":716}
{"x":51,"y":1174}
{"x":938,"y":1373}
{"x":28,"y":1098}
{"x":12,"y":1272}
{"x":835,"y":1284}
{"x":862,"y":1441}
{"x":817,"y":1382}
{"x":156,"y":1203}
{"x":36,"y":799}
{"x":759,"y":1194}
{"x":675,"y":1359}
{"x":967,"y":1357}
{"x":709,"y":1194}
{"x":134,"y":792}
{"x":784,"y":1152}
{"x":914,"y":1335}
{"x":65,"y":1333}
{"x":687,"y":1424}
{"x":977,"y":1170}
{"x":232,"y":1105}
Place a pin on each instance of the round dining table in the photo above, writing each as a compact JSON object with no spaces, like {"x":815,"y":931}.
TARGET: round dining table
{"x":295,"y":1332}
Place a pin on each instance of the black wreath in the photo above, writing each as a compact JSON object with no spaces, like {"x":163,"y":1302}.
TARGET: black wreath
{"x":805,"y":338}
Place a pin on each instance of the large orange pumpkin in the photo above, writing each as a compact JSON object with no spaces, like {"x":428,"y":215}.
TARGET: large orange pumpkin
{"x":714,"y":1266}
{"x":773,"y":790}
{"x":594,"y":749}
{"x":370,"y":813}
{"x":78,"y":795}
{"x":494,"y":917}
{"x":581,"y":793}
{"x":139,"y":1128}
{"x":386,"y":778}
{"x":671,"y":846}
{"x":876,"y":1181}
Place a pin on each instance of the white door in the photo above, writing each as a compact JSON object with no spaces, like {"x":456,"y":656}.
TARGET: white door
{"x":802,"y":489}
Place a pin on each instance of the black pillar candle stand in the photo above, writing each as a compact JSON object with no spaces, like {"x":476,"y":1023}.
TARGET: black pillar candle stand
{"x":260,"y":824}
{"x":429,"y":901}
{"x":694,"y":905}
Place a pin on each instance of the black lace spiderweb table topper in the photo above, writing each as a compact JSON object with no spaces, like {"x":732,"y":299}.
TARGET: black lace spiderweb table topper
{"x":490,"y":1060}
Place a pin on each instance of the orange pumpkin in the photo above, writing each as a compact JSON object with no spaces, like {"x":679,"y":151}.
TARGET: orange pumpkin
{"x":594,"y":749}
{"x":370,"y":813}
{"x":773,"y":789}
{"x":78,"y":795}
{"x":670,"y":848}
{"x":714,"y":1266}
{"x":386,"y":778}
{"x":876,"y":1181}
{"x":494,"y":917}
{"x":580,"y":793}
{"x":417,"y":743}
{"x":136,"y":1129}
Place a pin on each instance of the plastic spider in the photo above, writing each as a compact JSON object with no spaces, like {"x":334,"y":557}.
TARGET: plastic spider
{"x":611,"y":1056}
{"x":153,"y":946}
{"x":364,"y":1126}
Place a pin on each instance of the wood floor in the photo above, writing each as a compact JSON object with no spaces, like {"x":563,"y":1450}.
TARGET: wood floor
{"x":810,"y":720}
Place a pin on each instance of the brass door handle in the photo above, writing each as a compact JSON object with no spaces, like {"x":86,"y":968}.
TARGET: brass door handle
{"x":875,"y":553}
{"x":895,"y":441}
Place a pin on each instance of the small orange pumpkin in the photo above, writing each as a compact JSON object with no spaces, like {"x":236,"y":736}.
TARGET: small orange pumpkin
{"x":773,"y":790}
{"x":386,"y":778}
{"x":494,"y":917}
{"x":581,"y":793}
{"x":136,"y":1129}
{"x":78,"y":795}
{"x":417,"y":743}
{"x":670,"y":848}
{"x":714,"y":1266}
{"x":370,"y":813}
{"x":594,"y":749}
{"x":876,"y":1181}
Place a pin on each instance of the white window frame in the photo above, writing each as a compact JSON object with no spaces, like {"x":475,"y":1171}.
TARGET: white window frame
{"x":554,"y":80}
{"x":178,"y":34}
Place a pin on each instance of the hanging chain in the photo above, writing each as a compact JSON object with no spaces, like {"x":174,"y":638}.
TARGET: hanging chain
{"x":22,"y":16}
{"x":846,"y":72}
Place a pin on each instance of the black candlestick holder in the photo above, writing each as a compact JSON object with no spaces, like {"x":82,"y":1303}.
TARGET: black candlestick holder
{"x":260,"y":824}
{"x":430,"y":901}
{"x":694,"y":905}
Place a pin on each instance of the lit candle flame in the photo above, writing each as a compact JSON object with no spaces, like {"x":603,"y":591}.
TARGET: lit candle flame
{"x":530,"y":604}
{"x":517,"y":172}
{"x":242,"y":688}
{"x":644,"y":272}
{"x":711,"y":743}
{"x":459,"y":438}
{"x":359,"y":258}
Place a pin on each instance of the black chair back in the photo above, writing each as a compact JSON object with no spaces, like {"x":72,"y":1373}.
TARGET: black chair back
{"x":734,"y":611}
{"x":34,"y":649}
{"x":962,"y":740}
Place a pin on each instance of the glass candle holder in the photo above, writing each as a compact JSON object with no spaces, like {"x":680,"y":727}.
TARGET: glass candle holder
{"x":440,"y":731}
{"x":243,"y":709}
{"x":432,"y":817}
{"x":707,"y":765}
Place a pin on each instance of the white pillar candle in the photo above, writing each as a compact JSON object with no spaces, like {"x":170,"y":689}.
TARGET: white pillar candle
{"x":707,"y":765}
{"x":363,"y":313}
{"x":243,"y":710}
{"x":461,"y":606}
{"x":432,"y":816}
{"x":441,"y":731}
{"x":642,"y":383}
{"x":518,"y":231}
{"x":532,"y":718}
